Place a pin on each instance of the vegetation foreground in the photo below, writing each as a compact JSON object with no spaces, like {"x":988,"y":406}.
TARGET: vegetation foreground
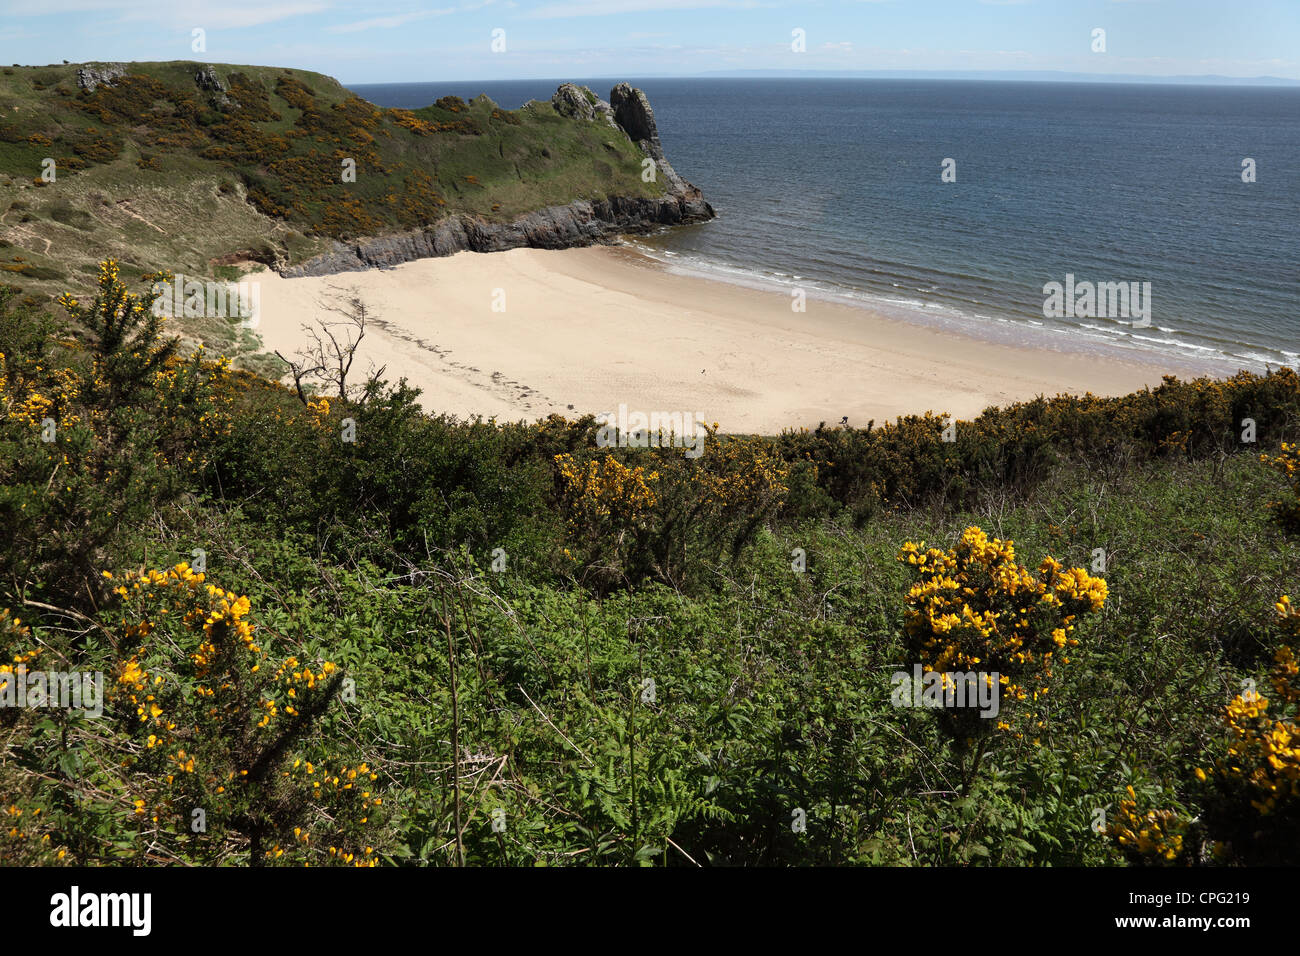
{"x":335,"y":630}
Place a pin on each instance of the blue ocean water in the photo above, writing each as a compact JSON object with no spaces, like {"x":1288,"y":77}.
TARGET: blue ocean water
{"x":834,"y":185}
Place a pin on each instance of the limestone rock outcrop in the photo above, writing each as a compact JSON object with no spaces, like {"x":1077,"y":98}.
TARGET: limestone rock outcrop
{"x":92,"y":75}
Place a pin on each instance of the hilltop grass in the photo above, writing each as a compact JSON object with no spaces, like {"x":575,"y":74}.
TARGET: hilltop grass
{"x":157,"y":172}
{"x":455,"y":642}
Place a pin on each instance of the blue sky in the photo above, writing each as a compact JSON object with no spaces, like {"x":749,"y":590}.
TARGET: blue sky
{"x":407,"y":40}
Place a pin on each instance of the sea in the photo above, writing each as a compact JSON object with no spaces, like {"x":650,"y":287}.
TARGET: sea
{"x":956,"y":203}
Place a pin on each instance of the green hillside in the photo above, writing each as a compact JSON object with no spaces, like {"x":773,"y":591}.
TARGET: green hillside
{"x":185,"y":166}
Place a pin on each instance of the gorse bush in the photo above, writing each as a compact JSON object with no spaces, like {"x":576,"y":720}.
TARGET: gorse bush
{"x":1287,"y":509}
{"x":199,"y":755}
{"x":662,"y":520}
{"x":94,"y":434}
{"x":974,"y":610}
{"x":1011,"y":449}
{"x":1249,"y":796}
{"x":1153,"y":836}
{"x":608,"y":506}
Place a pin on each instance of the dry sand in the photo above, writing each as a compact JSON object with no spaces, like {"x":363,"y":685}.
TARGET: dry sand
{"x":584,"y":330}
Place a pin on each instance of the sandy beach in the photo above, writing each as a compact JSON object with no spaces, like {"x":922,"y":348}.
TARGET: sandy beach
{"x":526,"y":333}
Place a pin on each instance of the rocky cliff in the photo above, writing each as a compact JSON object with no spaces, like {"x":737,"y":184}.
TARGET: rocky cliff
{"x":580,"y":223}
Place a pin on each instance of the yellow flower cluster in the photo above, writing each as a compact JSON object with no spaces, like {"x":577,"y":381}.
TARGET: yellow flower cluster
{"x":184,"y":762}
{"x":26,"y":404}
{"x":180,"y":575}
{"x":179,"y":591}
{"x":110,"y":283}
{"x":134,"y":679}
{"x":219,"y":613}
{"x":1287,"y":464}
{"x":973,"y":608}
{"x":13,"y":631}
{"x":1156,"y":833}
{"x":223,"y":616}
{"x":32,"y":409}
{"x":20,"y":830}
{"x":348,"y":778}
{"x":295,"y":677}
{"x":320,"y":409}
{"x":1264,"y":754}
{"x":742,"y":471}
{"x":352,"y":785}
{"x":607,"y":488}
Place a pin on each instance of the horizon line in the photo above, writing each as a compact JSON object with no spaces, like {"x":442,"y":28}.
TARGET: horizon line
{"x":1013,"y":76}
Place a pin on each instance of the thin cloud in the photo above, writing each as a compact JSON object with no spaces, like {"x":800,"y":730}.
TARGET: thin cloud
{"x":604,"y":8}
{"x":231,"y":14}
{"x":400,"y":19}
{"x":387,"y":23}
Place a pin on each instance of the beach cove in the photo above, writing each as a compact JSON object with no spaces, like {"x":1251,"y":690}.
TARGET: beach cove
{"x":526,"y":333}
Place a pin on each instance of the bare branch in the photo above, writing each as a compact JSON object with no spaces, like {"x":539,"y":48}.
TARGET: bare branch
{"x":333,"y":346}
{"x":299,"y":371}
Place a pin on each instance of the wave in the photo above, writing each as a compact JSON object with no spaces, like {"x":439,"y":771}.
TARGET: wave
{"x":1003,"y":326}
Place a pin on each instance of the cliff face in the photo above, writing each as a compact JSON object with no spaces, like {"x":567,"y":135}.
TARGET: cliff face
{"x":580,"y":223}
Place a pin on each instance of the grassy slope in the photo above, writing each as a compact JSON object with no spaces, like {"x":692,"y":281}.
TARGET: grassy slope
{"x":774,"y":692}
{"x":166,"y":171}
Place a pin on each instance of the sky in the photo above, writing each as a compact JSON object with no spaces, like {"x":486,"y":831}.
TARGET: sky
{"x":378,"y":41}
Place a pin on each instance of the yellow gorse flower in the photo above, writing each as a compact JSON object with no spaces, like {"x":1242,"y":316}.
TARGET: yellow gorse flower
{"x":973,"y":607}
{"x":606,"y":487}
{"x":1287,"y":464}
{"x":1155,"y":833}
{"x":1264,"y":753}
